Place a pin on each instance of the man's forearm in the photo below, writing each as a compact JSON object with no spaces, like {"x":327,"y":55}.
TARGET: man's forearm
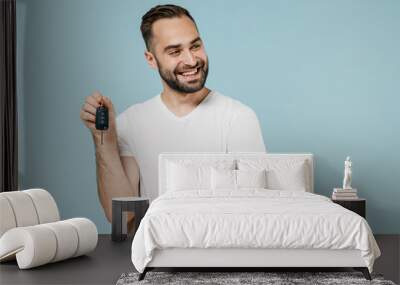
{"x":111,"y":178}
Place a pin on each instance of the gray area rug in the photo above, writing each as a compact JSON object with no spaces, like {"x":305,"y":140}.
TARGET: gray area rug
{"x":229,"y":278}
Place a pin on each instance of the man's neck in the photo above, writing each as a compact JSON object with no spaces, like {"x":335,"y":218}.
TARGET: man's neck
{"x":182,"y":104}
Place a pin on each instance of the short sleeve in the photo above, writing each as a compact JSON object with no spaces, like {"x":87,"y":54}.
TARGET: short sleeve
{"x":123,"y":135}
{"x":245,"y":133}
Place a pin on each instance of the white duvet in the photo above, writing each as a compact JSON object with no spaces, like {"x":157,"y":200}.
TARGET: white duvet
{"x":250,"y":218}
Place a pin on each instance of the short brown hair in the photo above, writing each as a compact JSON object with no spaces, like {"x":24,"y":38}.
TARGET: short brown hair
{"x":160,"y":12}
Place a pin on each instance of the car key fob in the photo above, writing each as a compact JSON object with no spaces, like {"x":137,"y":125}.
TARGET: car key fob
{"x":102,"y":119}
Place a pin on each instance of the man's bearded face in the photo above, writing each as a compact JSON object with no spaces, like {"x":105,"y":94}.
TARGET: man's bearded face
{"x":184,"y":78}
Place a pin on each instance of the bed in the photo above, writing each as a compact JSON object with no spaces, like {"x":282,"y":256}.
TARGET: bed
{"x":242,"y":210}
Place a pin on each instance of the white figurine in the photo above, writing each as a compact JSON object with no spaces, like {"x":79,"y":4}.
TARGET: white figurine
{"x":347,"y":174}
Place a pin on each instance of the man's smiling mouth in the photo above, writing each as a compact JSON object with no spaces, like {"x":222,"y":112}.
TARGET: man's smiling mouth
{"x":190,"y":74}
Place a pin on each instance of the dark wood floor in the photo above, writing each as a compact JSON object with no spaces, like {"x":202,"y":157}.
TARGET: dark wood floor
{"x":111,"y":259}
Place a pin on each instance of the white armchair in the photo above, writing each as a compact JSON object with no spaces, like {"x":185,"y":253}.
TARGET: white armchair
{"x":31,"y":231}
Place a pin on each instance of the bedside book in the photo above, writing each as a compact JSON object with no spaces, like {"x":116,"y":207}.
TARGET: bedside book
{"x":341,"y":190}
{"x":334,"y":197}
{"x":344,"y":194}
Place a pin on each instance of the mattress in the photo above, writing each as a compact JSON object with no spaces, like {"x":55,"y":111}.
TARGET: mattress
{"x":250,"y":219}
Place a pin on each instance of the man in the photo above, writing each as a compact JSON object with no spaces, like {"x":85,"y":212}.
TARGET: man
{"x":185,"y":117}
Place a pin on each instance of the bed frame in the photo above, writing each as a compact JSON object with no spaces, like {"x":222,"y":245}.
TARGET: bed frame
{"x":249,"y":259}
{"x":244,"y":259}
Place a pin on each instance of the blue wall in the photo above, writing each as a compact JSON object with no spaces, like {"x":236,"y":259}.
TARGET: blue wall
{"x":323,"y":77}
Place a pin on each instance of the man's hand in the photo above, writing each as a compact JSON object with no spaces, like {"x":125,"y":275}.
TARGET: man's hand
{"x":88,"y":116}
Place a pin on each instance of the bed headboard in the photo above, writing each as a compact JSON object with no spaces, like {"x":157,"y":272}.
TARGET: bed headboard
{"x":165,"y":157}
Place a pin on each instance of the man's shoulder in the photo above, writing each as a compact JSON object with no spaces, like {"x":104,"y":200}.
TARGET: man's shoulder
{"x":231,"y":104}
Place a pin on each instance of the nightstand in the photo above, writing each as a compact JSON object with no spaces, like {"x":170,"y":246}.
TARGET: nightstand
{"x":121,"y":205}
{"x":357,"y":205}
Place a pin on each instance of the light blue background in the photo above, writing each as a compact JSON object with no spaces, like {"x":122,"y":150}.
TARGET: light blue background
{"x":323,"y":77}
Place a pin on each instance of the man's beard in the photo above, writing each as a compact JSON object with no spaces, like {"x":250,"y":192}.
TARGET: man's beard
{"x":172,"y":80}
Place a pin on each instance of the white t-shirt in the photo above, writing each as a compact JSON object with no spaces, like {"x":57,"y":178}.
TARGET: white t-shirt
{"x":218,"y":124}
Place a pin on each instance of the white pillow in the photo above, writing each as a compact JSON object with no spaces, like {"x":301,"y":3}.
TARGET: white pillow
{"x":193,"y":174}
{"x":223,"y":178}
{"x":282,"y":174}
{"x":251,"y":178}
{"x":237,"y":179}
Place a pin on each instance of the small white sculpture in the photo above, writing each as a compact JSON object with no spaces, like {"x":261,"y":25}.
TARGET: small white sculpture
{"x":347,"y":174}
